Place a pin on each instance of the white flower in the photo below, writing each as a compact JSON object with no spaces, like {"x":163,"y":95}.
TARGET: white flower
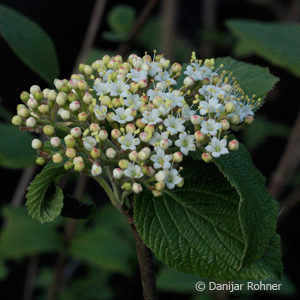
{"x":102,"y":88}
{"x":212,"y":91}
{"x":100,"y":112}
{"x":174,"y":99}
{"x":137,"y":75}
{"x":128,"y":142}
{"x":210,"y":127}
{"x":172,"y":179}
{"x":242,"y":110}
{"x":89,"y":142}
{"x":185,"y":143}
{"x":187,"y":112}
{"x":133,"y":101}
{"x":217,"y":147}
{"x":161,"y":160}
{"x":174,"y":125}
{"x":164,"y":77}
{"x":122,"y":115}
{"x":155,"y":68}
{"x":198,"y":73}
{"x":151,"y":117}
{"x":105,"y":74}
{"x":153,"y":93}
{"x":158,"y":137}
{"x":211,"y":106}
{"x":96,"y":170}
{"x":133,"y":171}
{"x":119,"y":88}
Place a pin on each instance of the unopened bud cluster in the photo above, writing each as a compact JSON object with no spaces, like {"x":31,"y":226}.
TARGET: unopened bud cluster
{"x":133,"y":119}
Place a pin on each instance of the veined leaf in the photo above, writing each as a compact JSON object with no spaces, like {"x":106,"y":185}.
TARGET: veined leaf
{"x":30,"y":42}
{"x":200,"y":228}
{"x":44,"y":198}
{"x":15,"y":147}
{"x":278,"y":43}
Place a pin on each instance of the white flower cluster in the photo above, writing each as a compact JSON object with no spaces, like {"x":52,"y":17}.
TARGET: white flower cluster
{"x":135,"y":120}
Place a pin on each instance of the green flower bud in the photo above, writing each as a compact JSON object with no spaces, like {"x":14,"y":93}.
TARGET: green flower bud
{"x":23,"y":112}
{"x":45,"y":93}
{"x":72,"y":97}
{"x":123,"y":164}
{"x":126,"y":186}
{"x":87,"y":98}
{"x":81,"y":67}
{"x":82,"y":117}
{"x":52,"y":95}
{"x":95,"y":153}
{"x":57,"y":158}
{"x":87,"y":70}
{"x":229,"y":107}
{"x":159,"y":186}
{"x":79,"y":166}
{"x":24,"y":96}
{"x":68,"y":165}
{"x":61,"y":98}
{"x":40,"y":161}
{"x":70,"y":141}
{"x":38,"y":95}
{"x":43,"y":108}
{"x":235,"y":120}
{"x":48,"y":129}
{"x":16,"y":120}
{"x":82,"y":85}
{"x":70,"y":152}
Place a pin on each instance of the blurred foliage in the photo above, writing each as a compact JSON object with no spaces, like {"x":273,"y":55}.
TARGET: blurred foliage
{"x":29,"y":41}
{"x":15,"y":147}
{"x":275,"y":42}
{"x":262,"y":129}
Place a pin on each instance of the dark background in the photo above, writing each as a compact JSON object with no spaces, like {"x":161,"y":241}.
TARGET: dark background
{"x":66,"y":22}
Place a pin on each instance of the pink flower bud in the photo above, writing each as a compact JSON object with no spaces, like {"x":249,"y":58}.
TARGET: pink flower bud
{"x":55,"y":141}
{"x":74,"y":106}
{"x":177,"y":157}
{"x":103,"y":135}
{"x":206,"y":157}
{"x":96,"y":169}
{"x":225,"y":124}
{"x":133,"y":156}
{"x":195,"y":120}
{"x":233,"y":145}
{"x":76,"y":132}
{"x":144,"y":137}
{"x":70,"y":152}
{"x":118,"y":173}
{"x":137,"y":188}
{"x":130,"y":128}
{"x":164,"y":144}
{"x":57,"y":158}
{"x":31,"y":122}
{"x":115,"y":133}
{"x":248,"y":120}
{"x":188,"y":81}
{"x":94,"y":127}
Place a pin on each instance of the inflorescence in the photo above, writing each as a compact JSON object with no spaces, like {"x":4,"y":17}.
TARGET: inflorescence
{"x":135,"y":120}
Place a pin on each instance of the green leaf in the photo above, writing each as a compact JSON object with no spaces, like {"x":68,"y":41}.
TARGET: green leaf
{"x":253,"y":79}
{"x":73,"y":208}
{"x":121,"y":18}
{"x":44,"y":198}
{"x":278,"y":43}
{"x":23,"y":236}
{"x":201,"y":228}
{"x":256,"y":134}
{"x":30,"y":42}
{"x":107,"y":244}
{"x":3,"y":269}
{"x":15,"y":147}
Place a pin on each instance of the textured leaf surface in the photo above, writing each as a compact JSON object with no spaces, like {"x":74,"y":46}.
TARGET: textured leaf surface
{"x":15,"y":147}
{"x":121,"y":18}
{"x":44,"y":198}
{"x":275,"y":42}
{"x":253,"y":79}
{"x":200,"y":229}
{"x":23,"y":236}
{"x":29,"y":41}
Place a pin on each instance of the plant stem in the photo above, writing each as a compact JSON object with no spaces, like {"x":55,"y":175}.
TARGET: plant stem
{"x":145,"y":260}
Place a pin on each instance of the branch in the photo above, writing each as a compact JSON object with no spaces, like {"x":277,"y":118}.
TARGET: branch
{"x":288,"y":163}
{"x":125,"y":46}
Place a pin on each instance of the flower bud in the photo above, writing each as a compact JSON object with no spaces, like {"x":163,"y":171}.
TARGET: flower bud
{"x":225,"y":124}
{"x":64,"y":114}
{"x":115,"y":133}
{"x":118,"y":173}
{"x":76,"y":132}
{"x":139,"y":123}
{"x":156,"y":193}
{"x":149,"y":129}
{"x":188,"y":81}
{"x":123,"y":164}
{"x":164,"y":144}
{"x":61,"y":98}
{"x":126,"y":186}
{"x":94,"y":127}
{"x":40,"y":161}
{"x":130,"y":128}
{"x":160,"y":176}
{"x":144,"y":154}
{"x":96,"y":169}
{"x":110,"y":153}
{"x":78,"y":165}
{"x":95,"y":153}
{"x":35,"y":89}
{"x":103,"y":135}
{"x":226,"y":87}
{"x":69,"y":141}
{"x":82,"y":85}
{"x":43,"y":108}
{"x":206,"y":157}
{"x":31,"y":122}
{"x":176,"y":67}
{"x":87,"y":70}
{"x":177,"y":157}
{"x":133,"y":156}
{"x":52,"y":95}
{"x":58,"y":83}
{"x":144,"y":137}
{"x":105,"y":100}
{"x":159,"y":186}
{"x":23,"y":112}
{"x":87,"y":98}
{"x":137,"y":188}
{"x":57,"y":158}
{"x":48,"y":129}
{"x":36,"y":144}
{"x":235,"y":120}
{"x":181,"y":183}
{"x":109,"y":116}
{"x":142,"y":84}
{"x":82,"y":117}
{"x":249,"y":120}
{"x":229,"y":107}
{"x":24,"y":96}
{"x":32,"y":103}
{"x":195,"y":120}
{"x":55,"y":141}
{"x":116,"y":102}
{"x":70,"y":152}
{"x":38,"y":95}
{"x":148,"y":171}
{"x":16,"y":120}
{"x":233,"y":145}
{"x":68,"y":165}
{"x":45,"y":93}
{"x":74,"y":106}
